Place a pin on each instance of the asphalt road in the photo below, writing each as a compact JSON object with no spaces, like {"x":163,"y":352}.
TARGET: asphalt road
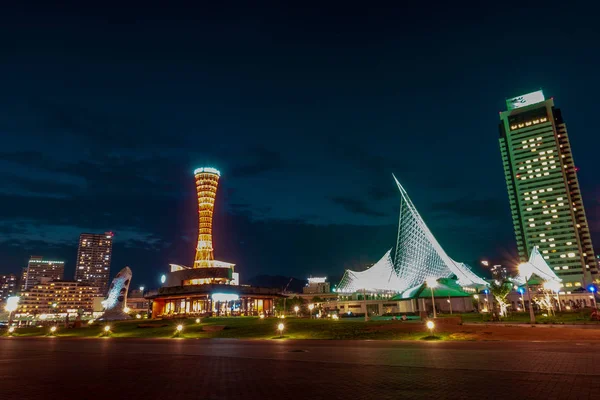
{"x":173,"y":369}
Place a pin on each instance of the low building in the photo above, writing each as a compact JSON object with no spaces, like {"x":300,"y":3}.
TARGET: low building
{"x":137,"y":303}
{"x":448,"y":296}
{"x":316,"y":286}
{"x":213,"y":299}
{"x":58,"y":297}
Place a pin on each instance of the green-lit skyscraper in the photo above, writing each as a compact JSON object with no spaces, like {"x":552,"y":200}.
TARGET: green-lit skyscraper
{"x":545,"y":200}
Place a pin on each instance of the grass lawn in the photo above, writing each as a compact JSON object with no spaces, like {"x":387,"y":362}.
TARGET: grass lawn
{"x":572,"y":317}
{"x":244,"y":328}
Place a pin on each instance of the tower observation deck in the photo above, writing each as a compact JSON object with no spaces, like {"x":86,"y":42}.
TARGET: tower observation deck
{"x":207,"y":181}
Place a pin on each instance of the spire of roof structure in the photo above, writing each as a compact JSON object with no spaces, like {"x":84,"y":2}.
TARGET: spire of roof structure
{"x":419,"y":255}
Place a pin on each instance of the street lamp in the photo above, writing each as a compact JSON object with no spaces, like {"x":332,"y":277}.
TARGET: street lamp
{"x":431,"y":284}
{"x":311,"y":307}
{"x":296,"y":308}
{"x":521,"y":290}
{"x":12,"y":303}
{"x":592,"y":289}
{"x":53,"y":329}
{"x":179,"y":328}
{"x":526,"y":272}
{"x":142,"y":290}
{"x":280,"y":329}
{"x":107,"y":329}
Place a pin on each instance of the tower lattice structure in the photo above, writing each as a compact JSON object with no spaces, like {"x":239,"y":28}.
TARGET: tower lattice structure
{"x":207,"y":181}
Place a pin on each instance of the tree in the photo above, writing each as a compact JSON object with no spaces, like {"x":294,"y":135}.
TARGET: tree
{"x":501,"y":289}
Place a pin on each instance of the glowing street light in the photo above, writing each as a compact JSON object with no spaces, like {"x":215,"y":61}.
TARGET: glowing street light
{"x":592,"y":289}
{"x":525,"y":270}
{"x":311,"y":307}
{"x":138,"y":316}
{"x":142,"y":289}
{"x":296,"y":308}
{"x":107,"y":328}
{"x":197,"y":320}
{"x":280,"y":328}
{"x":11,"y":330}
{"x":53,"y":329}
{"x":432,"y":284}
{"x":126,"y":310}
{"x":179,"y":328}
{"x":261,"y":316}
{"x":12,"y":303}
{"x":431,"y":326}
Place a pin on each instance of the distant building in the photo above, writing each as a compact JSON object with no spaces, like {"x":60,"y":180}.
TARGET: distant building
{"x":137,"y":303}
{"x":316,"y":286}
{"x":38,"y":268}
{"x":8,"y":286}
{"x":58,"y":297}
{"x":93,"y":259}
{"x":543,"y":190}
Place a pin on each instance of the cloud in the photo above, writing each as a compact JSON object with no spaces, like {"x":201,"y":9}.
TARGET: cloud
{"x":490,"y":209}
{"x":356,"y":206}
{"x":264,"y":160}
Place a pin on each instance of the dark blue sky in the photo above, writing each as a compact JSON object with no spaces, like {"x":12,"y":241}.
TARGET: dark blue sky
{"x":104,"y":113}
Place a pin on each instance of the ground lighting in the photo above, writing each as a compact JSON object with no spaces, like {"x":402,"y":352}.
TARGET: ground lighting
{"x":197,"y":320}
{"x":430,"y":326}
{"x":179,"y":328}
{"x":11,"y":329}
{"x":107,"y":328}
{"x":280,"y":328}
{"x":53,"y":329}
{"x":296,"y":308}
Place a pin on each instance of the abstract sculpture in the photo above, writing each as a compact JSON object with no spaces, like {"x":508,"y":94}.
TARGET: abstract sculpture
{"x":116,"y":301}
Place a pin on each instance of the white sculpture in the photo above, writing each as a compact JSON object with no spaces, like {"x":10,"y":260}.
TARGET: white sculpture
{"x":116,"y":301}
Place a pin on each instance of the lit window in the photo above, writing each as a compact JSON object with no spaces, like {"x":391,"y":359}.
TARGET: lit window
{"x":571,"y":255}
{"x":532,"y":225}
{"x":548,"y":222}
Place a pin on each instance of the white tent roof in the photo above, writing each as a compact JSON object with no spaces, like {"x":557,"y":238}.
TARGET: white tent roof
{"x":381,"y":277}
{"x":536,"y":266}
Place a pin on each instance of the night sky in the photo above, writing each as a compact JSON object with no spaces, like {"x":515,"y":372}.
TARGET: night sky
{"x":105,"y":113}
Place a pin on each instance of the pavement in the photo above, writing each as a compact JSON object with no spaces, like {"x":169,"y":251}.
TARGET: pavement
{"x":173,"y":369}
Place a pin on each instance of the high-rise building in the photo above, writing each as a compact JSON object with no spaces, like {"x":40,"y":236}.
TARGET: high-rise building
{"x":541,"y":177}
{"x":8,"y":286}
{"x":38,"y":268}
{"x":93,"y":259}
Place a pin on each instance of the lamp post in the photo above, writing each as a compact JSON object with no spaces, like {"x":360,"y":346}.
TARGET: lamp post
{"x":310,"y":308}
{"x":12,"y":303}
{"x":431,"y":284}
{"x":522,"y":297}
{"x":296,"y":308}
{"x":450,"y":303}
{"x":527,"y":275}
{"x":593,"y":290}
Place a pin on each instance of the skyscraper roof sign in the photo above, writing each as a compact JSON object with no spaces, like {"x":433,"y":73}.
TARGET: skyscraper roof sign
{"x":525,"y":100}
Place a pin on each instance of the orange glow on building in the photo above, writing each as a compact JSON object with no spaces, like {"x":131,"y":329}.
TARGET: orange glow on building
{"x":207,"y":181}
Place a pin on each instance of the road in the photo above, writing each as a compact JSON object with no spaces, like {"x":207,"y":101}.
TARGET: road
{"x":174,"y":369}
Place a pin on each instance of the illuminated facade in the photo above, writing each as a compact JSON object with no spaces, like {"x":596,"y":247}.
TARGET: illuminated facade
{"x":543,"y":190}
{"x":38,"y":268}
{"x":58,"y":297}
{"x":209,"y":286}
{"x":8,"y":286}
{"x":418,"y":257}
{"x":93,"y":259}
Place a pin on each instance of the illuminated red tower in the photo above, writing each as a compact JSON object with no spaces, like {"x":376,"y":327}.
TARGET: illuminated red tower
{"x":207,"y":181}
